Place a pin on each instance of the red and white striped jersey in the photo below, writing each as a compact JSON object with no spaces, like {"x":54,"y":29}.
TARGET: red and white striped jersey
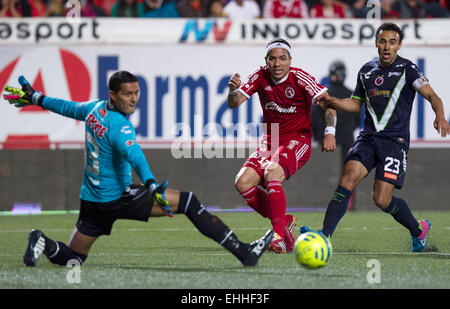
{"x":286,"y":102}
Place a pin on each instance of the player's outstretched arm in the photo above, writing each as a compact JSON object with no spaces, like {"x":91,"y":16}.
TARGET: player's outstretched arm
{"x":352,"y":104}
{"x":440,"y":123}
{"x":124,"y":143}
{"x":235,"y":98}
{"x":26,"y":96}
{"x":23,"y":96}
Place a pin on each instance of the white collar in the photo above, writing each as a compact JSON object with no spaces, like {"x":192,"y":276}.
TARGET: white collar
{"x":277,"y":82}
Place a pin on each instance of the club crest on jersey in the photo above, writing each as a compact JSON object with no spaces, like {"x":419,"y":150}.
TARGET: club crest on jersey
{"x":103,"y":112}
{"x":289,"y":92}
{"x":129,"y":143}
{"x":379,"y":80}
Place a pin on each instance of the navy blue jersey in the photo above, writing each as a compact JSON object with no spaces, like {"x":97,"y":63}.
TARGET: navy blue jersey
{"x":389,"y":94}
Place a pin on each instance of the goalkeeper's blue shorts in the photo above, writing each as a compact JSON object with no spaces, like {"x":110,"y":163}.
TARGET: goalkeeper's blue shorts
{"x":96,"y":219}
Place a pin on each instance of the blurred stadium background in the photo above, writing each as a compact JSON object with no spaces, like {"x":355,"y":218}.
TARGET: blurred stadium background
{"x":184,"y":53}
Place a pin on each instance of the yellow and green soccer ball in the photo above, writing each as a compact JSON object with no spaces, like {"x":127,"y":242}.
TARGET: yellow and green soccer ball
{"x":313,"y":250}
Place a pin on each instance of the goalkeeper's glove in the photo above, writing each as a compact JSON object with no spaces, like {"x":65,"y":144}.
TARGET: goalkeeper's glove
{"x":157,"y":192}
{"x":25,"y":96}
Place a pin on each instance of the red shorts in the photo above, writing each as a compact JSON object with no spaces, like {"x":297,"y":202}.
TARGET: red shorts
{"x":291,"y":155}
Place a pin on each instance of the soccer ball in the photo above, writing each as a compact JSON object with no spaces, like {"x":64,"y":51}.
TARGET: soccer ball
{"x":313,"y":250}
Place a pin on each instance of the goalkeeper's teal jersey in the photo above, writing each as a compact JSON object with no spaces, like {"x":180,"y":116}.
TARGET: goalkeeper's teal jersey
{"x":111,"y":149}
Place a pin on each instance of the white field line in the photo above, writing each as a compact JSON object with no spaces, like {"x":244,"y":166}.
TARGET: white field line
{"x":225,"y":254}
{"x":364,"y":228}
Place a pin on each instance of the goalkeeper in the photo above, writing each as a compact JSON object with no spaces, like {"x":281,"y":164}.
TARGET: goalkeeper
{"x":107,"y":193}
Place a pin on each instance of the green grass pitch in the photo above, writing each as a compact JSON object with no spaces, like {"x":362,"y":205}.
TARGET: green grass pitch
{"x":171,"y":253}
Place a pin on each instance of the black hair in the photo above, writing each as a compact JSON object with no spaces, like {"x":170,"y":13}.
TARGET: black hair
{"x":338,"y":69}
{"x":278,"y":40}
{"x":389,"y":27}
{"x":123,"y":6}
{"x":119,"y":78}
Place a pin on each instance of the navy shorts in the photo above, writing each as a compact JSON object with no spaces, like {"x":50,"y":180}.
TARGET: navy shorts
{"x":96,"y":219}
{"x":387,"y":156}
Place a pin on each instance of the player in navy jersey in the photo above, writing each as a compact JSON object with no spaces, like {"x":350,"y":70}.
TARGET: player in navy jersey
{"x":387,"y":86}
{"x":286,"y":95}
{"x":107,"y":194}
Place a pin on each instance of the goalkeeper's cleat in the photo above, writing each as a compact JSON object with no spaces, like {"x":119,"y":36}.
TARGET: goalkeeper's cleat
{"x":256,"y":249}
{"x":289,"y":233}
{"x":35,"y":248}
{"x":419,"y":243}
{"x":277,"y":244}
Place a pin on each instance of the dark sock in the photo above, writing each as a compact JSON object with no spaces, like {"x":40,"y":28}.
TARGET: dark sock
{"x":336,"y":210}
{"x":209,"y":225}
{"x":58,"y":253}
{"x":401,"y":213}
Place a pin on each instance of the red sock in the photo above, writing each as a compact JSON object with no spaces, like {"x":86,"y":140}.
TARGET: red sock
{"x":277,"y":201}
{"x":257,"y":199}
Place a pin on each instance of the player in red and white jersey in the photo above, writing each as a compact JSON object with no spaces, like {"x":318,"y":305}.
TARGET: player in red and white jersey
{"x":286,"y":95}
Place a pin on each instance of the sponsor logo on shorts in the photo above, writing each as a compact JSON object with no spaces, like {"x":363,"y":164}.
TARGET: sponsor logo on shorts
{"x":390,"y":176}
{"x":292,"y":144}
{"x":405,"y":161}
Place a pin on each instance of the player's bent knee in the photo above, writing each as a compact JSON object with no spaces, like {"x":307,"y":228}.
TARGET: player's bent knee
{"x":380,"y":200}
{"x":246,"y":179}
{"x":173,"y":197}
{"x":244,"y":182}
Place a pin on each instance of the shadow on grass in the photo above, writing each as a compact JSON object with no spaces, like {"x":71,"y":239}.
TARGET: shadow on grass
{"x":430,"y":252}
{"x":248,"y":271}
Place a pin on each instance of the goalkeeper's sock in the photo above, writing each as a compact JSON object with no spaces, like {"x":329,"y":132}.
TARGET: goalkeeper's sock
{"x":277,"y":201}
{"x":336,"y":210}
{"x":58,"y":253}
{"x":257,"y":199}
{"x":210,"y":226}
{"x":400,"y":211}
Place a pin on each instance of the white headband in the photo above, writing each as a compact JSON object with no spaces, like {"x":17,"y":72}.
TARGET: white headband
{"x":278,"y":45}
